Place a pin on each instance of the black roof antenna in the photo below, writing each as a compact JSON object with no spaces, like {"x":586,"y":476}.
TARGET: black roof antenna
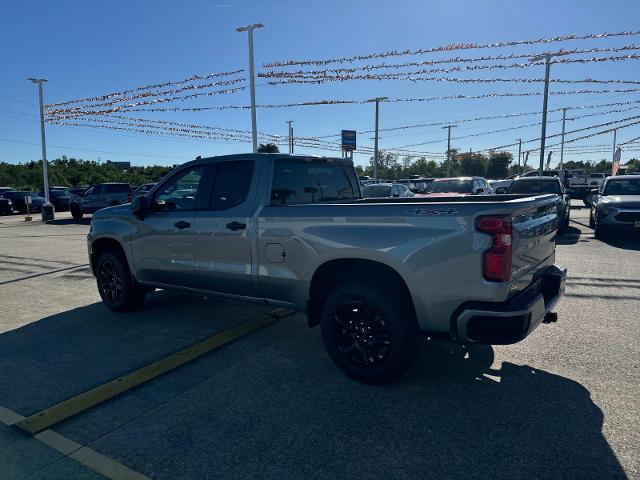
{"x":198,"y":157}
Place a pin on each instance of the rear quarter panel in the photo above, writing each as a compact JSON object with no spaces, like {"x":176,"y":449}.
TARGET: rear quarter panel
{"x":434,"y":247}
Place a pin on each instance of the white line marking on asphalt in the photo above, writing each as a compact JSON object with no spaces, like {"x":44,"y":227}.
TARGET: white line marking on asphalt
{"x":8,"y":417}
{"x":91,"y":459}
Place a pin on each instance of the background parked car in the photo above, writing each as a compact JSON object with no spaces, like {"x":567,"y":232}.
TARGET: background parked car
{"x":540,"y":186}
{"x":59,"y":198}
{"x":564,"y":176}
{"x":441,"y":187}
{"x":597,"y":179}
{"x":142,"y":189}
{"x":616,"y":206}
{"x":6,"y":189}
{"x":385,"y":190}
{"x":18,"y":197}
{"x":495,"y":184}
{"x":6,"y":206}
{"x":78,"y":190}
{"x":101,"y":195}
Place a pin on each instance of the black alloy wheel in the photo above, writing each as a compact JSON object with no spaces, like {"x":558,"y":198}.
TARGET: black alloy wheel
{"x":110,"y":281}
{"x":361,"y":334}
{"x":117,"y":287}
{"x":370,"y":330}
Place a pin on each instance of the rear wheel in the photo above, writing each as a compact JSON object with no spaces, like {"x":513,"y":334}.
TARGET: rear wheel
{"x":117,"y":288}
{"x":76,"y":213}
{"x":370,"y":332}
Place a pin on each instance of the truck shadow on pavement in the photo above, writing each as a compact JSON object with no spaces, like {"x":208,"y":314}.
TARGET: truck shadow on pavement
{"x":570,"y":236}
{"x":625,"y":241}
{"x":70,"y":221}
{"x":272,"y":405}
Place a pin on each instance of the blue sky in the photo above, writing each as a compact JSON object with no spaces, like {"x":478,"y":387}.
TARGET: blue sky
{"x":92,"y":48}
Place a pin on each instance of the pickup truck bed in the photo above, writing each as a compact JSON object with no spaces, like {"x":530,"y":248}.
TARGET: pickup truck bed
{"x":373,"y":273}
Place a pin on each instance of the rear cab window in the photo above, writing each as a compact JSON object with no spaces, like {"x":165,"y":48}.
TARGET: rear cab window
{"x":312,"y":181}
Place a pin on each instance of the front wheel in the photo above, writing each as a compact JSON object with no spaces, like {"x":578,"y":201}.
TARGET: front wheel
{"x":370,"y":332}
{"x":598,"y":230}
{"x":76,"y":213}
{"x":117,"y":287}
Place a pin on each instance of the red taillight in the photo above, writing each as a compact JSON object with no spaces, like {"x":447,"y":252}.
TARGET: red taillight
{"x":496,"y":266}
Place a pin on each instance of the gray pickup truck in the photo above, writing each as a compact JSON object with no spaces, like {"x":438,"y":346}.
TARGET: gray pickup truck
{"x":294,"y":231}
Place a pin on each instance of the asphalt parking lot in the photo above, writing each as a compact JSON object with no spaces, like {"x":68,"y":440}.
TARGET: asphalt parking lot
{"x":561,"y":404}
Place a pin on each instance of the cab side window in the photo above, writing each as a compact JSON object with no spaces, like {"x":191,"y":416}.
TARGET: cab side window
{"x":231,"y":184}
{"x":180,"y":192}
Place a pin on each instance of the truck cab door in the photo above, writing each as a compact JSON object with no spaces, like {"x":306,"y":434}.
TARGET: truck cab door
{"x":223,"y":230}
{"x":162,"y":239}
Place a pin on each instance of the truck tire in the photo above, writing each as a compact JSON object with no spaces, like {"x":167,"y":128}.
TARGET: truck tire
{"x":598,"y":230}
{"x":117,"y":287}
{"x":369,"y":332}
{"x":76,"y":213}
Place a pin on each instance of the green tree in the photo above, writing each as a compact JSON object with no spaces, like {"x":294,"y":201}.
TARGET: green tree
{"x":472,"y":164}
{"x":499,"y":165}
{"x":268,"y":148}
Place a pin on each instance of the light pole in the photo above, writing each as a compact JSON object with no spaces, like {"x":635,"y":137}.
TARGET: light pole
{"x":375,"y":141}
{"x":47,"y":210}
{"x":564,"y":117}
{"x":519,"y":152}
{"x":448,"y":127}
{"x":547,"y":70}
{"x":290,"y":136}
{"x":252,"y":84}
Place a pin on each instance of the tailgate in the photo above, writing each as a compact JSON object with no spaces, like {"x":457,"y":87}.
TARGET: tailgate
{"x":534,"y":234}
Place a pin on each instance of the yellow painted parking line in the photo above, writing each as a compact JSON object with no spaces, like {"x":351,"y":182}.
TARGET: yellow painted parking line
{"x":68,"y":408}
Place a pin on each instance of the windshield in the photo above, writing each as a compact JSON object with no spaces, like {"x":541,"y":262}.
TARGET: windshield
{"x":623,"y":187}
{"x":451,"y":186}
{"x":376,"y":191}
{"x":534,"y":186}
{"x":57,"y":193}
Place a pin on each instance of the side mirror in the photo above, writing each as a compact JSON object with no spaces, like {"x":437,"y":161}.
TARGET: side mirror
{"x":395,"y":195}
{"x":140,"y":205}
{"x":501,"y":190}
{"x":479,"y":190}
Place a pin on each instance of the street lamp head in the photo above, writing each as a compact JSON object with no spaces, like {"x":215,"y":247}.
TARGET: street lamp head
{"x":250,"y":27}
{"x":37,"y":80}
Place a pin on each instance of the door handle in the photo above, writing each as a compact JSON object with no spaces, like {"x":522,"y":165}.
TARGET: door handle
{"x":236,"y":226}
{"x":182,"y":224}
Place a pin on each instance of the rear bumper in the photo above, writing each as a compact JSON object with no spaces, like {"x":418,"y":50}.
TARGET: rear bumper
{"x":511,"y":321}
